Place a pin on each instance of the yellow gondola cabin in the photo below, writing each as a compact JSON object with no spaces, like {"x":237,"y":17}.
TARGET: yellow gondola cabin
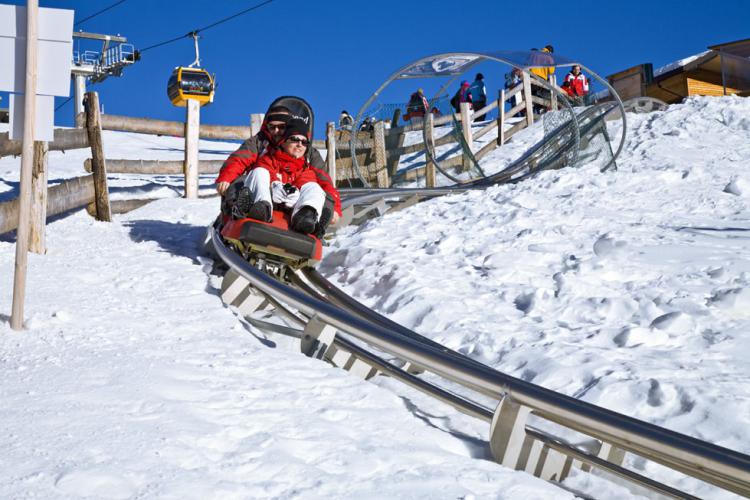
{"x":190,"y":83}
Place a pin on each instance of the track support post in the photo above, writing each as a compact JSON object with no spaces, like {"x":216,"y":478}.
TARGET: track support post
{"x":237,"y":292}
{"x":318,"y":342}
{"x":509,"y":444}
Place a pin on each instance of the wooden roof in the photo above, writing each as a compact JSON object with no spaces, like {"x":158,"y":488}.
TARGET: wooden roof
{"x":739,"y":48}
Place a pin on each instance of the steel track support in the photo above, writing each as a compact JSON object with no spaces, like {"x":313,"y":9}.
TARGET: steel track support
{"x":237,"y":292}
{"x":318,"y":342}
{"x":508,"y":441}
{"x":512,"y":447}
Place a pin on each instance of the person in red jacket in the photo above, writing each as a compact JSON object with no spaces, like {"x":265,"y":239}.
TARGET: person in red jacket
{"x":284,"y":178}
{"x":576,"y":84}
{"x":271,"y":132}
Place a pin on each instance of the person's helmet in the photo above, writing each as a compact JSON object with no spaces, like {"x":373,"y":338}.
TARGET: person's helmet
{"x":420,"y":91}
{"x":550,"y":48}
{"x":479,"y":76}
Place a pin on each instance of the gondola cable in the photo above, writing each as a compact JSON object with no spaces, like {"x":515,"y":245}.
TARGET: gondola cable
{"x":195,"y":32}
{"x":100,"y":12}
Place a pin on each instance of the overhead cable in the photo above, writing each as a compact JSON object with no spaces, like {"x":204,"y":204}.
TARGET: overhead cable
{"x":195,"y":32}
{"x":100,"y":12}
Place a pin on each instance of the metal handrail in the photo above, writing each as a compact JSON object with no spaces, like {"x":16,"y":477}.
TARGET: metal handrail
{"x":714,"y":464}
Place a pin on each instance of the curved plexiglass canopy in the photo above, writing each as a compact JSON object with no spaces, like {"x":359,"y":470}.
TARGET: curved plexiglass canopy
{"x":453,"y":64}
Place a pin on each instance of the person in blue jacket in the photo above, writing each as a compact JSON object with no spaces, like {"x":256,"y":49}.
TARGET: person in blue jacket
{"x":478,"y":94}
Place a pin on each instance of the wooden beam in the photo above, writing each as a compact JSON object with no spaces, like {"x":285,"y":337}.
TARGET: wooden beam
{"x":156,"y":167}
{"x":172,"y":128}
{"x":98,"y":163}
{"x":486,"y":129}
{"x":64,"y":139}
{"x":380,"y":155}
{"x":501,"y":117}
{"x":37,"y":243}
{"x":331,"y":150}
{"x":430,"y":174}
{"x":122,"y":206}
{"x":526,"y":81}
{"x":68,"y":195}
{"x":256,"y":121}
{"x":466,"y":126}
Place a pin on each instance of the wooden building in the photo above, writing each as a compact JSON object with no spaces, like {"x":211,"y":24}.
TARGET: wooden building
{"x":722,"y":70}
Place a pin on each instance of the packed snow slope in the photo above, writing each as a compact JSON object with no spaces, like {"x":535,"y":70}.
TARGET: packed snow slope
{"x":629,"y":289}
{"x":132,"y":380}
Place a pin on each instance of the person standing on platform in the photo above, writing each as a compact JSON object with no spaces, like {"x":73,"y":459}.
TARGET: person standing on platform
{"x":543,"y":72}
{"x":478,"y":93}
{"x":576,"y":85}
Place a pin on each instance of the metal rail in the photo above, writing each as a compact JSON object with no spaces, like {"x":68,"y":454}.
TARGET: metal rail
{"x":720,"y":466}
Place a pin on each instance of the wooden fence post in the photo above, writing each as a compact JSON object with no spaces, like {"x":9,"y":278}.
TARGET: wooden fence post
{"x":331,"y":148}
{"x":527,"y":99}
{"x":98,"y":163}
{"x":37,"y":242}
{"x":466,"y":126}
{"x":429,"y":174}
{"x":501,"y":118}
{"x":256,"y":121}
{"x":378,"y":136}
{"x":192,"y":133}
{"x":553,"y":94}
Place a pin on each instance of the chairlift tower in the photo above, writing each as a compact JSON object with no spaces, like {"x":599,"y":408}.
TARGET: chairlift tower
{"x":95,"y":66}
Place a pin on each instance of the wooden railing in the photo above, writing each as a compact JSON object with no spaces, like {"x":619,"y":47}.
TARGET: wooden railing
{"x":69,"y":194}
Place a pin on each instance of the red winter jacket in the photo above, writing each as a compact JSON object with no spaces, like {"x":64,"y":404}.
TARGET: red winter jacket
{"x":247,"y":154}
{"x":576,"y":85}
{"x":297,"y":172}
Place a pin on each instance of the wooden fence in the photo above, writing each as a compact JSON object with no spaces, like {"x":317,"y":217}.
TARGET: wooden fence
{"x":70,"y":194}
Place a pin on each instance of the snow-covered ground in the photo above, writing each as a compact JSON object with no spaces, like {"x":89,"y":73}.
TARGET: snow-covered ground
{"x":629,"y":289}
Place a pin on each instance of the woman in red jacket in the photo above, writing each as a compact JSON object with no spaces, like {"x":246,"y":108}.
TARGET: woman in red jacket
{"x":282,"y":177}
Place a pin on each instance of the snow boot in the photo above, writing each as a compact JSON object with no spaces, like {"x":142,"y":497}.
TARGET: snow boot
{"x":242,"y":203}
{"x":261,"y":210}
{"x":305,"y":220}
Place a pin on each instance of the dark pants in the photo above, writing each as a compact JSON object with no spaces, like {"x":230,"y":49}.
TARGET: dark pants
{"x":544,"y":94}
{"x":477,"y":106}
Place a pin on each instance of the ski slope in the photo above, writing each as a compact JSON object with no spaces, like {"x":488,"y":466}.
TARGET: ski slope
{"x":628,"y":289}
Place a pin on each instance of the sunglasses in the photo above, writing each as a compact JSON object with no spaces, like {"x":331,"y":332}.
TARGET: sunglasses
{"x":276,"y":126}
{"x":299,"y":140}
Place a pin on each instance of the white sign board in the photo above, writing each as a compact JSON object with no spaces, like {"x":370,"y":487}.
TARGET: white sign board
{"x":55,"y":50}
{"x":44,"y":129}
{"x":55,"y":53}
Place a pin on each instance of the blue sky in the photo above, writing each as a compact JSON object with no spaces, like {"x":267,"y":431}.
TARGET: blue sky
{"x":335,"y":53}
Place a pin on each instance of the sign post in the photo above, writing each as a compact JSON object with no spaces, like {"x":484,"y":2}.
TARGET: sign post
{"x":35,"y":54}
{"x":27,"y":160}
